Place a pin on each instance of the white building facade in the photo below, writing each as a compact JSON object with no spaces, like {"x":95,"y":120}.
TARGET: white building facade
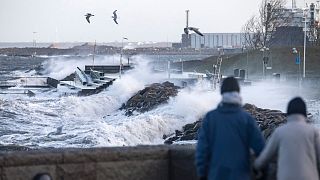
{"x":217,"y":40}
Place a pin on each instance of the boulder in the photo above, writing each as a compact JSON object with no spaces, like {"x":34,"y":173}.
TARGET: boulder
{"x":268,"y":120}
{"x":150,"y":97}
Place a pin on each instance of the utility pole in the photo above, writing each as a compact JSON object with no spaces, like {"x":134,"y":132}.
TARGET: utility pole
{"x":120,"y":67}
{"x":34,"y":43}
{"x":305,"y":43}
{"x":265,"y":60}
{"x":247,"y":63}
{"x":94,"y":52}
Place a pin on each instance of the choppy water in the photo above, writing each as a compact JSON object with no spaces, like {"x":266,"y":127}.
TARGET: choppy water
{"x":96,"y":121}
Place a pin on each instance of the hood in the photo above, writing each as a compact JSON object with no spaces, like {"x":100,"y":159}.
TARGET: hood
{"x":296,"y":118}
{"x":232,"y":98}
{"x":228,"y":107}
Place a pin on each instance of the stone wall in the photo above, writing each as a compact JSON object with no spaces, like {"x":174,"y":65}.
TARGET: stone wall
{"x":118,"y":163}
{"x":174,"y":162}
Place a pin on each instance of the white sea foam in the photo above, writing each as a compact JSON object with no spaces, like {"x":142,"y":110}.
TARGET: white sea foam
{"x":97,"y":121}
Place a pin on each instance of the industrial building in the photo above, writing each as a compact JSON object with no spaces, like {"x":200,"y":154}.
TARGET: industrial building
{"x":199,"y":40}
{"x":211,"y":40}
{"x":216,"y":40}
{"x":294,"y":24}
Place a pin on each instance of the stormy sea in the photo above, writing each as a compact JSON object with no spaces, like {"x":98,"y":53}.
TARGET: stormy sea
{"x":53,"y":118}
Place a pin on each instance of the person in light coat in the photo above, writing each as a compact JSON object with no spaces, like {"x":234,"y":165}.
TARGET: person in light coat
{"x":296,"y":146}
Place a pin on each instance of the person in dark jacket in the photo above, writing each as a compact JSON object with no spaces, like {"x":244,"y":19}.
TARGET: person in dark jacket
{"x":225,"y":138}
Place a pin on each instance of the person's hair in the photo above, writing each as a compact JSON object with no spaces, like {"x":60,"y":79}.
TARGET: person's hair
{"x":297,"y":106}
{"x":230,"y":84}
{"x":42,"y":176}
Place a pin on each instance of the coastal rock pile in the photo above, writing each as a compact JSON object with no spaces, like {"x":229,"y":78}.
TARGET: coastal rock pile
{"x":266,"y":119}
{"x":150,"y":97}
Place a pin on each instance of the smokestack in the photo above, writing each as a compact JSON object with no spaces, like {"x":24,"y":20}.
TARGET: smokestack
{"x":187,"y":14}
{"x":294,"y":5}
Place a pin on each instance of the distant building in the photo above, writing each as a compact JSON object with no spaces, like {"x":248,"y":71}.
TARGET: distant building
{"x":216,"y":40}
{"x":213,"y":40}
{"x":295,"y":21}
{"x":287,"y":36}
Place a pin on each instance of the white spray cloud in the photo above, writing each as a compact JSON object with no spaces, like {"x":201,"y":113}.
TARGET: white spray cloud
{"x":97,"y":121}
{"x":61,"y":67}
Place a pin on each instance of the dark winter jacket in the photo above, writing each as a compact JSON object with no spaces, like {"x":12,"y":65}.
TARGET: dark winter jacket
{"x":224,"y":142}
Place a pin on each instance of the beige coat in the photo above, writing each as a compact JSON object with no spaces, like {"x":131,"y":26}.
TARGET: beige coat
{"x":297,"y":146}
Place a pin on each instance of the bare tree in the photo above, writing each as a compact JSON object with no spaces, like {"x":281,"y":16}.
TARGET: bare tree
{"x":272,"y":15}
{"x":259,"y":29}
{"x":251,"y":33}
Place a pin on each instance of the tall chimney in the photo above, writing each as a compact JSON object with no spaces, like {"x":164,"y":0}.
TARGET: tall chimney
{"x":187,"y":13}
{"x":294,"y":5}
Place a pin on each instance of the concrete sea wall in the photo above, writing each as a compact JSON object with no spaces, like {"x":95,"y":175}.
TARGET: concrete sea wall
{"x":175,"y":162}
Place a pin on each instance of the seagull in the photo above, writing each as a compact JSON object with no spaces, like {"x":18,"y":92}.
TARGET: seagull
{"x":88,"y":15}
{"x":115,"y":16}
{"x":186,"y":31}
{"x":196,"y":30}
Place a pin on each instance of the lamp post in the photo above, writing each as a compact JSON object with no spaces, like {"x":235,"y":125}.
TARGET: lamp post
{"x":34,"y":43}
{"x":94,"y":53}
{"x":305,"y":41}
{"x":181,"y":65}
{"x":264,"y":60}
{"x":120,"y":67}
{"x":247,"y":68}
{"x":298,"y":61}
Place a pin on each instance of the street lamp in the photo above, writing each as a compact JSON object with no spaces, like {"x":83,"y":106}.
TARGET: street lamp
{"x":247,"y":69}
{"x":34,"y":43}
{"x":264,"y":60}
{"x":305,"y":41}
{"x":120,"y":68}
{"x":298,"y":57}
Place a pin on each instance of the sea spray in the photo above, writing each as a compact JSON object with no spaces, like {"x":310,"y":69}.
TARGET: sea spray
{"x":60,"y":67}
{"x":96,"y":121}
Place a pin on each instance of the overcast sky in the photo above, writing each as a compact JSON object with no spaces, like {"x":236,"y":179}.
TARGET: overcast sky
{"x":140,"y":20}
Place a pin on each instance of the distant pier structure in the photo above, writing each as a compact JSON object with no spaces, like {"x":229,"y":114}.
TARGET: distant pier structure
{"x":107,"y":69}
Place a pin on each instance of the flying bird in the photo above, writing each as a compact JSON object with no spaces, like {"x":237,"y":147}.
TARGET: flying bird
{"x":115,"y":17}
{"x":88,"y":15}
{"x":186,"y":31}
{"x":196,"y":30}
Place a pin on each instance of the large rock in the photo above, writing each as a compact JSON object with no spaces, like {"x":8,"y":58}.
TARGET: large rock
{"x":150,"y":97}
{"x":268,"y":120}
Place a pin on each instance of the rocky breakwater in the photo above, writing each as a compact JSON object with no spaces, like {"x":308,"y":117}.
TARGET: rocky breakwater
{"x":150,"y":97}
{"x":268,"y":120}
